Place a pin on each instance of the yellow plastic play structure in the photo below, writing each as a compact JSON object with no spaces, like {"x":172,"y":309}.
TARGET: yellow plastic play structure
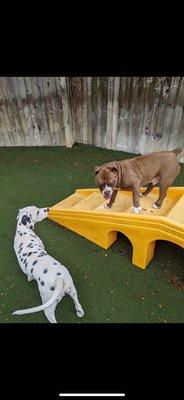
{"x":84,"y":212}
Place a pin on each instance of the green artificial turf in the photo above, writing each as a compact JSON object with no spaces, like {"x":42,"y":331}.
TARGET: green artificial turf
{"x":109,"y":287}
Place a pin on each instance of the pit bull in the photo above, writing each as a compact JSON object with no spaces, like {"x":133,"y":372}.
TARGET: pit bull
{"x":160,"y":168}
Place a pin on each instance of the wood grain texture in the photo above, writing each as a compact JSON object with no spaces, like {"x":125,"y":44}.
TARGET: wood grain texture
{"x":133,"y":114}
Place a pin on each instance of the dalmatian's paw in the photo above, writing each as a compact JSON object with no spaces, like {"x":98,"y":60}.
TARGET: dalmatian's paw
{"x":29,"y":278}
{"x":80,"y":313}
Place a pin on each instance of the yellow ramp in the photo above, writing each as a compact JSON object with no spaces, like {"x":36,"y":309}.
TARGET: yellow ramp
{"x":83,"y":212}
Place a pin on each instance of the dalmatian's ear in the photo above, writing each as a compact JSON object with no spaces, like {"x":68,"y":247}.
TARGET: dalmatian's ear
{"x":34,"y":214}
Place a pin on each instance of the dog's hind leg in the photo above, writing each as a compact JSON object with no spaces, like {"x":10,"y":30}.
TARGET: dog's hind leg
{"x":50,"y":313}
{"x":162,"y":195}
{"x":73,"y":294}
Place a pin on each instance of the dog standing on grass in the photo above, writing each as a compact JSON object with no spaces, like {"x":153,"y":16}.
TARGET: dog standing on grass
{"x":53,"y":279}
{"x":160,"y":168}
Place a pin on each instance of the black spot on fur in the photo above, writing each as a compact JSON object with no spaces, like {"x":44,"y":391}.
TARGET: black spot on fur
{"x":24,"y":261}
{"x":58,"y":273}
{"x":52,"y":288}
{"x":32,"y":240}
{"x":29,"y":254}
{"x":25,"y":233}
{"x":25,"y":219}
{"x":20,"y":234}
{"x":34,"y":252}
{"x":34,"y":262}
{"x":39,"y":278}
{"x":31,"y":270}
{"x":55,"y":263}
{"x":37,"y":212}
{"x":20,"y":244}
{"x":24,"y":254}
{"x":42,"y":283}
{"x":31,"y":226}
{"x":26,"y":265}
{"x":45,"y":270}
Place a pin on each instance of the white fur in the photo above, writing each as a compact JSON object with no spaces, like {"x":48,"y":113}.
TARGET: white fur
{"x":155,"y":206}
{"x":107,"y":188}
{"x":137,"y":210}
{"x":38,"y":265}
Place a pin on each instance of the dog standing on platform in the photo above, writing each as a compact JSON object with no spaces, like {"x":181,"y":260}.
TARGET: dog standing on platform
{"x":53,"y":279}
{"x":146,"y":170}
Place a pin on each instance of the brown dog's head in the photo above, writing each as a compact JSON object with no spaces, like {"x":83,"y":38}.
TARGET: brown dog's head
{"x":106,"y":178}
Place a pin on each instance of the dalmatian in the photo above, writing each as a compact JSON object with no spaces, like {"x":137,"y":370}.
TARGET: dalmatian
{"x":53,"y":279}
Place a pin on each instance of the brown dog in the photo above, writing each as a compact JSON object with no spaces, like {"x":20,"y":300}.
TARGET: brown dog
{"x":160,"y":167}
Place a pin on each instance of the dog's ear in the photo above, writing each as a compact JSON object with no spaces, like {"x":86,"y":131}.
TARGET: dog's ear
{"x":112,"y":168}
{"x":97,"y":170}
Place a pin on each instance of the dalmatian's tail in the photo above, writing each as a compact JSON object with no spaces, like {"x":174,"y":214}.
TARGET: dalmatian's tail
{"x":58,"y":290}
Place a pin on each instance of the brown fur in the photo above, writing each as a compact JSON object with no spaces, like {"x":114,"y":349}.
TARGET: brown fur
{"x":162,"y":167}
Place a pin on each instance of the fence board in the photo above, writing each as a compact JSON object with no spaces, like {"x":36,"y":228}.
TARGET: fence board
{"x":132,"y":114}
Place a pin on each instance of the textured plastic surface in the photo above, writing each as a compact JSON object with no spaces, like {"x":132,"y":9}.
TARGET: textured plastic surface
{"x":83,"y":212}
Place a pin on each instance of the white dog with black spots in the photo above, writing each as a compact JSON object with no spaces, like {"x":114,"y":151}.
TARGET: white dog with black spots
{"x":53,"y":279}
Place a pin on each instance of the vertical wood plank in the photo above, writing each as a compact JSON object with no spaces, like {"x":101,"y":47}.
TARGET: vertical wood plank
{"x":67,"y":118}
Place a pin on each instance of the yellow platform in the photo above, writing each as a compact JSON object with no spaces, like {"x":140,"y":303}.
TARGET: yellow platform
{"x":83,"y":212}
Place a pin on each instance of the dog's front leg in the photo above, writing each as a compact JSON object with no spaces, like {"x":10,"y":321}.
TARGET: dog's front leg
{"x":112,"y":200}
{"x":135,"y":197}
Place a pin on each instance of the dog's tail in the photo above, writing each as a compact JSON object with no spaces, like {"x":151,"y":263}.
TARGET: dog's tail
{"x":58,"y":290}
{"x":177,"y":151}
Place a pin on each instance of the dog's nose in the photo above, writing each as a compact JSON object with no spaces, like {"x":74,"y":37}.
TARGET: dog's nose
{"x":106,"y":192}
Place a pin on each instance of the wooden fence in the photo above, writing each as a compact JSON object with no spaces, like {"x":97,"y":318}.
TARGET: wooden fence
{"x":133,"y":114}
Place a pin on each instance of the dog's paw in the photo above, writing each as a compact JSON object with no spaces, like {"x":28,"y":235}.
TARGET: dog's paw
{"x":137,"y":210}
{"x":141,"y":195}
{"x":80,"y":313}
{"x":106,"y":206}
{"x":29,"y":279}
{"x":155,"y":206}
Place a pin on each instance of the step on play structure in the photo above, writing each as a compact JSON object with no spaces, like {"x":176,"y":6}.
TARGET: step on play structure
{"x":84,"y":213}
